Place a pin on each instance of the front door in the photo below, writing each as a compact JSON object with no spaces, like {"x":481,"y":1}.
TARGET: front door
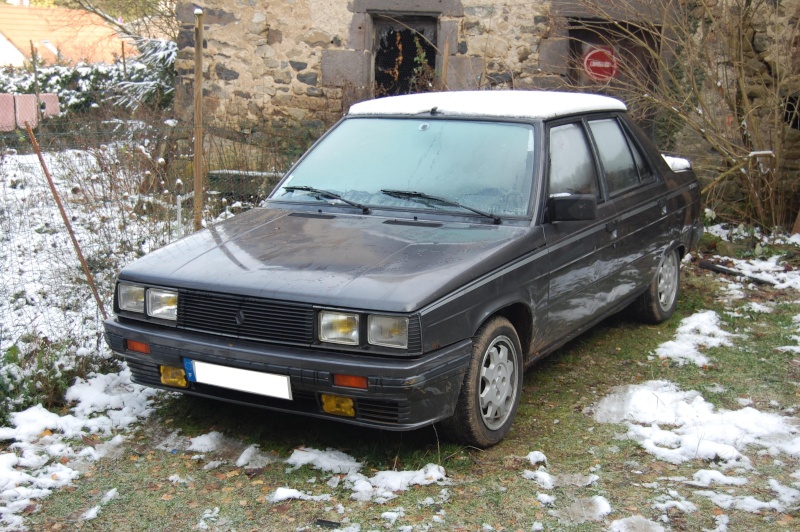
{"x":582,"y":254}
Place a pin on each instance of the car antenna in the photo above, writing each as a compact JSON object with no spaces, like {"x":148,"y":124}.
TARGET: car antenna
{"x":433,"y":111}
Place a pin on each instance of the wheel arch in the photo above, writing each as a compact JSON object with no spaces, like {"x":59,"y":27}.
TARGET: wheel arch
{"x":521,"y":317}
{"x":678,"y":245}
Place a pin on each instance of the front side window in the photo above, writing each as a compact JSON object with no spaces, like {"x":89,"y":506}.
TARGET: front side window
{"x":572,"y":169}
{"x":481,"y":165}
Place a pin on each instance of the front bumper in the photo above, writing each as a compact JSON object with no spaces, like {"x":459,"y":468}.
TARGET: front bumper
{"x":402,"y":394}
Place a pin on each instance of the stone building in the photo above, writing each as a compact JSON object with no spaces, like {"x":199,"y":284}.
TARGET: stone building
{"x":305,"y":61}
{"x":309,"y":59}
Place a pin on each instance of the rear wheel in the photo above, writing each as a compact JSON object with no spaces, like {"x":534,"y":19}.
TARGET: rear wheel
{"x":491,"y":390}
{"x":659,"y":301}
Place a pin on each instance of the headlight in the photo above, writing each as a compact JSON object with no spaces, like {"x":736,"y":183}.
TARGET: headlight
{"x":388,"y":331}
{"x":130,"y":297}
{"x":162,"y":304}
{"x":338,"y":328}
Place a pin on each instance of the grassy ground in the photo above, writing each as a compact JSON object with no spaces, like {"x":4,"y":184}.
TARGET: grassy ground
{"x":487,"y":487}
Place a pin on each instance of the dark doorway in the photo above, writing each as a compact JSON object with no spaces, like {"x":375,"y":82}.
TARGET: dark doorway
{"x":405,"y":54}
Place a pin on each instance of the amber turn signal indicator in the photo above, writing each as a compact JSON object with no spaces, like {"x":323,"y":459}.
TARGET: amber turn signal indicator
{"x":350,"y":381}
{"x":139,"y":347}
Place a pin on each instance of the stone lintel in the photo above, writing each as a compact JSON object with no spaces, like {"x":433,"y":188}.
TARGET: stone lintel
{"x":451,"y":8}
{"x":629,"y":10}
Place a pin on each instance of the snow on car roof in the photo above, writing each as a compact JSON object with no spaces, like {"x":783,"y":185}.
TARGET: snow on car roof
{"x":517,"y":104}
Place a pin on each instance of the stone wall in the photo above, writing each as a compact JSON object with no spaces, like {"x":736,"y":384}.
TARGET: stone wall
{"x":309,"y":59}
{"x":775,"y":56}
{"x":306,"y":61}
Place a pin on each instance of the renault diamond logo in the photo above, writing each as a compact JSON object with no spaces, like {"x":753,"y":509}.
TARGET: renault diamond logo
{"x":239,"y":318}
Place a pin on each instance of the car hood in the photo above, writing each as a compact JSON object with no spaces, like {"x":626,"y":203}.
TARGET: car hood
{"x":361,"y":262}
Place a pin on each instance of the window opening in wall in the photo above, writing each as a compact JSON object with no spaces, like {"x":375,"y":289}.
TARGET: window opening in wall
{"x":405,"y":54}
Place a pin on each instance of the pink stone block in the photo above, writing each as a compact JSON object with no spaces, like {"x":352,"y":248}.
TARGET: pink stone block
{"x":26,"y":110}
{"x":51,"y":105}
{"x":7,"y":120}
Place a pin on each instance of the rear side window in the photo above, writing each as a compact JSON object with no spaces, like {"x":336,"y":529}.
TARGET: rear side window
{"x":572,"y":169}
{"x":622,"y":171}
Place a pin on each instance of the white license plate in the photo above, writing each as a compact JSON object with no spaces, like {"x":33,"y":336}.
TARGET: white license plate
{"x":243,"y":380}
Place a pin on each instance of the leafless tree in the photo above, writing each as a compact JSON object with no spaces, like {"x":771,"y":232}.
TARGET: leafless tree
{"x":720,"y":79}
{"x":150,"y":19}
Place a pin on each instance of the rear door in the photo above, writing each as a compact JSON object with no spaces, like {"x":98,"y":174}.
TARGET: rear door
{"x":639,"y":197}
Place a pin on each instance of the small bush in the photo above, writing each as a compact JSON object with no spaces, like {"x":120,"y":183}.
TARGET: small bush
{"x":145,"y":80}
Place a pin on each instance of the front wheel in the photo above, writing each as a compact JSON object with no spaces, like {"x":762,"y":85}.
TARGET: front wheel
{"x":492,"y":385}
{"x":659,"y":301}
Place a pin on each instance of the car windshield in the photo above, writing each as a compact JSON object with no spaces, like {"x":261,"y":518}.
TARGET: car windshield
{"x":472,"y":165}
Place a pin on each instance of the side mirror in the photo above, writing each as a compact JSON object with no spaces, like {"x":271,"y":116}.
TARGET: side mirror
{"x":573,"y":207}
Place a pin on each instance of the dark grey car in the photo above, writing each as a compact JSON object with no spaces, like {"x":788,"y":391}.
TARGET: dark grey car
{"x":410,"y":267}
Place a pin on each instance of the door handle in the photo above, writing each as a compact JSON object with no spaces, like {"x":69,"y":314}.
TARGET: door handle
{"x":662,"y":204}
{"x":611,"y":227}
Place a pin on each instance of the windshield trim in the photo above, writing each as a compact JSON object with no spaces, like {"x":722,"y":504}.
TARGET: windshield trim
{"x":411,"y":212}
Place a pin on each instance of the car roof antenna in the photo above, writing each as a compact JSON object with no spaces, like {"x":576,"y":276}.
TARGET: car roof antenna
{"x":433,"y":111}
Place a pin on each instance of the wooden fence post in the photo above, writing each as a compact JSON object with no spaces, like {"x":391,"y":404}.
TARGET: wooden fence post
{"x":198,"y":119}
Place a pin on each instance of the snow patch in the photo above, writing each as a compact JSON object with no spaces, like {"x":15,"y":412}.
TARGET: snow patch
{"x":206,"y":443}
{"x":677,"y":164}
{"x":698,"y":330}
{"x":635,"y":523}
{"x":583,"y":510}
{"x":698,"y":430}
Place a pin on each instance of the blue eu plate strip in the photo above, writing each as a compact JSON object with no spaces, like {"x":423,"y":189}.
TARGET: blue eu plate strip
{"x":188,"y":366}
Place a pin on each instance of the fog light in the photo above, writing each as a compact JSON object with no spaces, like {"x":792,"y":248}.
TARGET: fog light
{"x":338,"y":406}
{"x":171,"y":376}
{"x":350,"y":381}
{"x":139,"y":347}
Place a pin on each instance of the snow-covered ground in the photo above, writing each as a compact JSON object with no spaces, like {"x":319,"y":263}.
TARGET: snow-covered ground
{"x":50,"y":325}
{"x":42,"y":303}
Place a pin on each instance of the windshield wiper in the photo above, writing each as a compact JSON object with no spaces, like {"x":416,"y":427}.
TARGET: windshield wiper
{"x":410,"y":194}
{"x":319,"y":193}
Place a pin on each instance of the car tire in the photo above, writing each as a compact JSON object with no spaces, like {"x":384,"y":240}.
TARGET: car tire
{"x":490,"y":394}
{"x":658,"y":303}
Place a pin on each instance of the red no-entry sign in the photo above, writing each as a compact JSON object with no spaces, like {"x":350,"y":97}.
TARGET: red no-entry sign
{"x":600,"y":63}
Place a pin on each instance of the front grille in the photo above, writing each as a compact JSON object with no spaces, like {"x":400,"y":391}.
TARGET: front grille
{"x":245,"y":317}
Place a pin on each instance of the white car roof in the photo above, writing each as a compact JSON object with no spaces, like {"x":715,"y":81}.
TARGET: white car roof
{"x":498,"y":103}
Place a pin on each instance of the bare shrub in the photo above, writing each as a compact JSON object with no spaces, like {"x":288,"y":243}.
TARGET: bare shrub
{"x":117,"y":191}
{"x":717,"y":77}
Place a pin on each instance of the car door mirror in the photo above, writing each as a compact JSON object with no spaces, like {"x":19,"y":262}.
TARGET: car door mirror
{"x":572,"y":207}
